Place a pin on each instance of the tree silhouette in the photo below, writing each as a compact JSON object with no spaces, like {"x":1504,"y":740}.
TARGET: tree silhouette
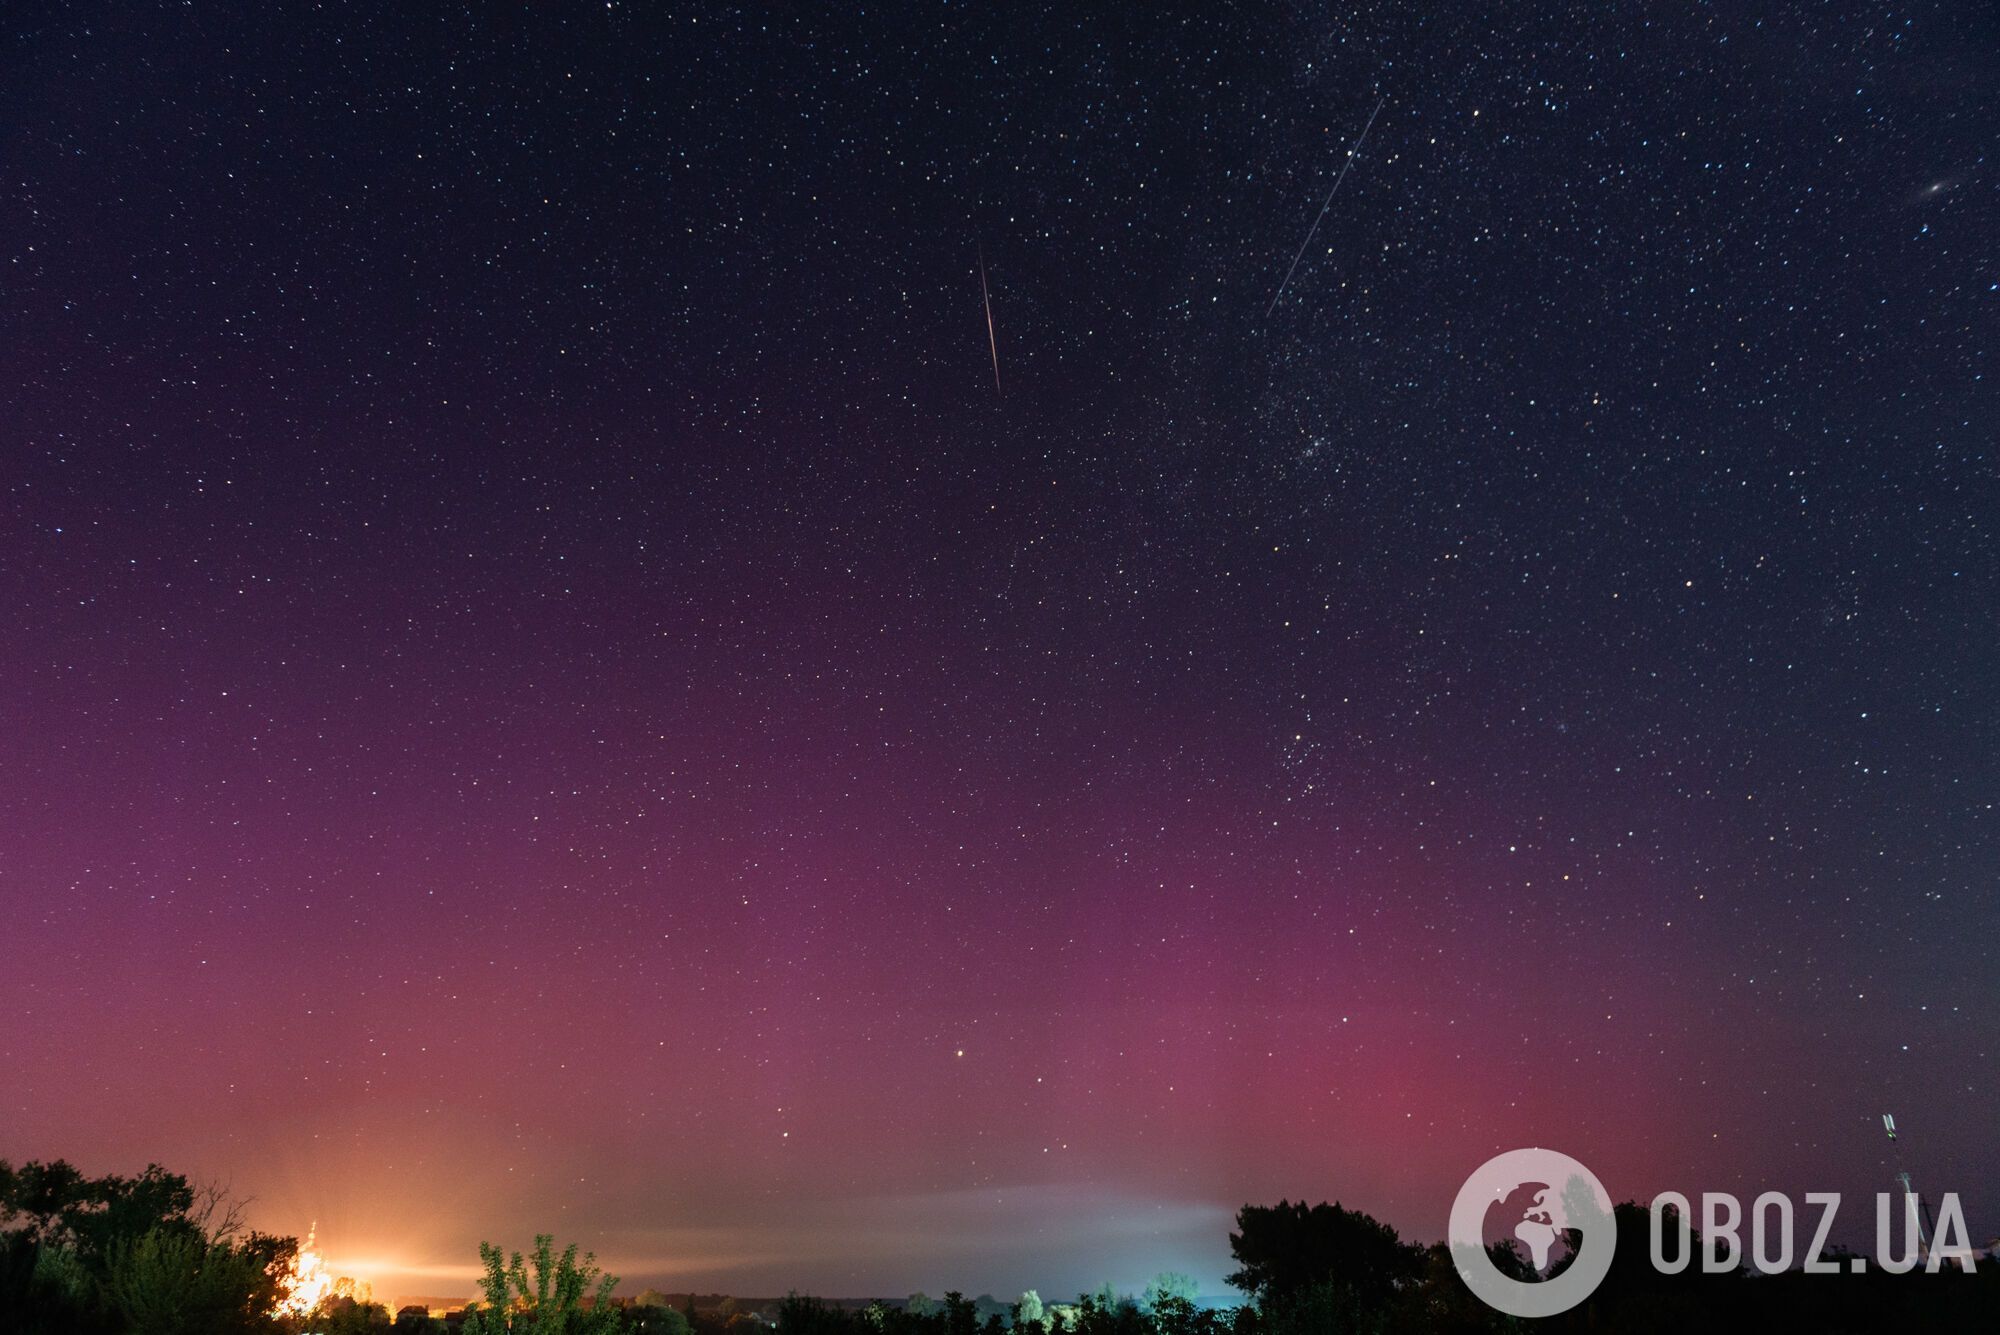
{"x":1286,"y":1250}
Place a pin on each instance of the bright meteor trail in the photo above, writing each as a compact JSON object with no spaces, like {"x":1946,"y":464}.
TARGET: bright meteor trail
{"x":991,"y":342}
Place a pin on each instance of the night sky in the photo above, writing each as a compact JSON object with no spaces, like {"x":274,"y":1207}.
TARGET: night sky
{"x":542,"y":687}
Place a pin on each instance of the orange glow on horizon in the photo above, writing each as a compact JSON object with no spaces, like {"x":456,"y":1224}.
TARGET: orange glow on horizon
{"x":306,"y":1285}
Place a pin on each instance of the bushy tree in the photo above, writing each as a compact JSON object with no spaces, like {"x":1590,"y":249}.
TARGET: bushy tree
{"x":1175,"y":1315}
{"x":54,"y":1203}
{"x":1290,"y":1251}
{"x":652,"y":1314}
{"x":131,"y":1255}
{"x":802,"y":1315}
{"x":960,"y":1316}
{"x":550,"y":1301}
{"x":172,"y":1281}
{"x":45,"y":1290}
{"x":344,"y":1315}
{"x":1106,"y":1313}
{"x":1170,"y":1284}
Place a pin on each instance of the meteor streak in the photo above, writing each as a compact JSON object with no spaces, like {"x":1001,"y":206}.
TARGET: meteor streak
{"x":991,"y":342}
{"x":1351,"y":154}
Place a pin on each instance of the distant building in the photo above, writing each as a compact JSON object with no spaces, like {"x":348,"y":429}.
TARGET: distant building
{"x":429,"y":1305}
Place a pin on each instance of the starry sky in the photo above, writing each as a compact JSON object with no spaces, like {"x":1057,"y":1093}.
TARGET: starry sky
{"x":542,"y":687}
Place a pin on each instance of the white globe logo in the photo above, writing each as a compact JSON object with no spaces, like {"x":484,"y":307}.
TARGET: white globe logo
{"x":1566,"y":1196}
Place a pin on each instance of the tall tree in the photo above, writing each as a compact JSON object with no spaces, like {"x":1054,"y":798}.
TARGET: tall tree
{"x":551,"y":1301}
{"x":1285,"y":1249}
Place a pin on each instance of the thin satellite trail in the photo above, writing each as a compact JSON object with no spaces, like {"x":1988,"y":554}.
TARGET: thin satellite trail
{"x":1352,"y":154}
{"x":991,"y":342}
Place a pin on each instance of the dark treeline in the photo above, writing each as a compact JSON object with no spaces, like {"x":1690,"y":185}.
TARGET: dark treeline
{"x":1328,"y":1271}
{"x":144,"y":1255}
{"x":152,"y":1255}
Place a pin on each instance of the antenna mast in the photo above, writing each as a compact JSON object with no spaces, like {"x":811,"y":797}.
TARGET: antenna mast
{"x":1925,"y":1225}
